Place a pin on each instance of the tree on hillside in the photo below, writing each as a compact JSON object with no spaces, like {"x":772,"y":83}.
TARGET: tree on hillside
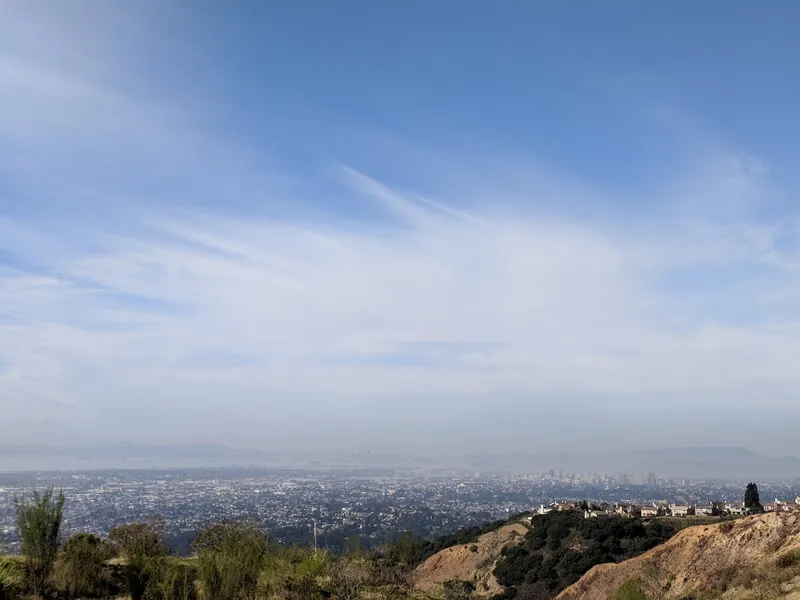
{"x":752,"y":501}
{"x":405,"y":548}
{"x":39,"y":529}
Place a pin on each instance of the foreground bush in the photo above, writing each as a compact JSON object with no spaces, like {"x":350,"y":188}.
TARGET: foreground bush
{"x":230,"y":560}
{"x":296,"y":574}
{"x":81,"y":567}
{"x":141,"y":548}
{"x":349,"y":578}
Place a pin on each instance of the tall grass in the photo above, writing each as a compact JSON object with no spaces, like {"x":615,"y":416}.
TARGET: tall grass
{"x":12,"y":579}
{"x":173,"y":581}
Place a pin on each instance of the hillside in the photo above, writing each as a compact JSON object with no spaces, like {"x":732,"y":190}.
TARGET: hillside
{"x":752,"y":558}
{"x":470,"y":562}
{"x":561,"y":546}
{"x":536,"y":557}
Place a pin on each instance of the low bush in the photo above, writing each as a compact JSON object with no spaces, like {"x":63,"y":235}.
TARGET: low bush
{"x":631,"y":590}
{"x":458,"y":590}
{"x":349,"y":579}
{"x":141,"y":548}
{"x":788,"y":559}
{"x":80,"y":570}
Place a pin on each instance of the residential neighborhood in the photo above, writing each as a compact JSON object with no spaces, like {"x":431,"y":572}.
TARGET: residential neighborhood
{"x":663,"y":509}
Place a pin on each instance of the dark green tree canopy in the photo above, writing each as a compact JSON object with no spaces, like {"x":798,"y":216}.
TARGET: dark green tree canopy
{"x":752,"y":501}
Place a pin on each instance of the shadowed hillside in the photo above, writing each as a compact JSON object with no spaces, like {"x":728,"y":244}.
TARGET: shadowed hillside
{"x":755,"y":558}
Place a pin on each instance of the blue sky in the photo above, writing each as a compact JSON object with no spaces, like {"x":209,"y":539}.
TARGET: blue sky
{"x":377,"y":221}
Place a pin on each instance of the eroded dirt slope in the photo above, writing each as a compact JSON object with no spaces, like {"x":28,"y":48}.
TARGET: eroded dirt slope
{"x":470,"y":562}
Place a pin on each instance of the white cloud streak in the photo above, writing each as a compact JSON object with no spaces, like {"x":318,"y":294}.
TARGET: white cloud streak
{"x":524,"y":306}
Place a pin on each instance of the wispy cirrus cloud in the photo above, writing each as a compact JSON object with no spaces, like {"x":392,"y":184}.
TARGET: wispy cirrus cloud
{"x":544,"y":299}
{"x":434,"y":304}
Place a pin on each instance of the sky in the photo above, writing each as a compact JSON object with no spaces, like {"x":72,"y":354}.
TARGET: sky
{"x":415,"y":227}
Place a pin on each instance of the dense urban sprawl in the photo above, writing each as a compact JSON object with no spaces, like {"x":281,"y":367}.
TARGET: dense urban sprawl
{"x":372,"y":505}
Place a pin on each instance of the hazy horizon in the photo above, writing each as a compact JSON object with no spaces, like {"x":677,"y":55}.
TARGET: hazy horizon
{"x":416,"y":228}
{"x":697,"y":463}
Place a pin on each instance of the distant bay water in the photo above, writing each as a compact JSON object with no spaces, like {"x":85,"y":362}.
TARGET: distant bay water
{"x":18,"y":463}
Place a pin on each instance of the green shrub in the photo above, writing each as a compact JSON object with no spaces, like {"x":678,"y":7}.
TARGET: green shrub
{"x":631,"y":590}
{"x":141,"y":547}
{"x":294,"y":573}
{"x":80,"y":569}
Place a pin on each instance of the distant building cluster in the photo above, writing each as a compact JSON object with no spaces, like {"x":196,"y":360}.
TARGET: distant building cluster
{"x":593,"y":510}
{"x":782,"y":506}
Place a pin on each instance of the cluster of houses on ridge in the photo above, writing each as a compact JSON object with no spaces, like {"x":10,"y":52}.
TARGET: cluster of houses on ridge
{"x":604,"y":509}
